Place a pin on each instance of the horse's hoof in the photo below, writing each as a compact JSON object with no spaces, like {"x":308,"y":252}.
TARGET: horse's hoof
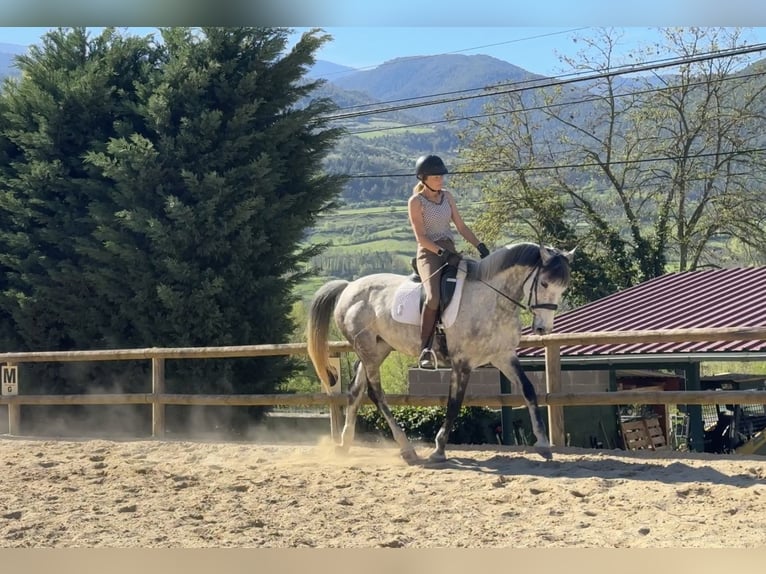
{"x":410,"y":457}
{"x":437,"y":457}
{"x":545,"y":452}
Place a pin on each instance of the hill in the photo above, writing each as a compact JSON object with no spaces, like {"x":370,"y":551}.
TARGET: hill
{"x":382,"y":143}
{"x":8,"y":53}
{"x":418,"y":77}
{"x":329,"y":70}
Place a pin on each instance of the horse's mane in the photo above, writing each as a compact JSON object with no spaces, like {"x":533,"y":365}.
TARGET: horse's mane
{"x":524,"y":254}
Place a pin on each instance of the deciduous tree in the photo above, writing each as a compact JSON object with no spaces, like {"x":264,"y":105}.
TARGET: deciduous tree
{"x":646,"y":174}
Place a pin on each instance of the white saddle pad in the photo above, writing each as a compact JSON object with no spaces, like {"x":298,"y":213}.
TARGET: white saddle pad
{"x":406,"y":307}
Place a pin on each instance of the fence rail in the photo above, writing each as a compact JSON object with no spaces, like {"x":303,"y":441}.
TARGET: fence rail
{"x":321,"y":399}
{"x":553,"y":398}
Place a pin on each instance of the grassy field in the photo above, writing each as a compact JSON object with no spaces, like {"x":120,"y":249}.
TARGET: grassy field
{"x":381,"y":128}
{"x":356,"y":236}
{"x":364,"y":240}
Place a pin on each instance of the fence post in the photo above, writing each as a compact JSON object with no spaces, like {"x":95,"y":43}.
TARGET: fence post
{"x":553,"y":385}
{"x":158,"y":388}
{"x":14,"y":417}
{"x":336,"y":412}
{"x":696,"y":424}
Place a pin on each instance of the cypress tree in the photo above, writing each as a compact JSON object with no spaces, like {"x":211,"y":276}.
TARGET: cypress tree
{"x":75,"y":93}
{"x":175,"y":213}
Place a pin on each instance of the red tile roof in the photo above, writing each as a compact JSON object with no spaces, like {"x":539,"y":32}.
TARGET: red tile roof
{"x":734,"y":297}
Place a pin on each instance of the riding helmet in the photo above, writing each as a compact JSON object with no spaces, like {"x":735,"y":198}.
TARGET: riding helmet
{"x":429,"y":165}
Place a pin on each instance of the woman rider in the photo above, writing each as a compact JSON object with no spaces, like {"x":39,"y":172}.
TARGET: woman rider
{"x":431,"y":209}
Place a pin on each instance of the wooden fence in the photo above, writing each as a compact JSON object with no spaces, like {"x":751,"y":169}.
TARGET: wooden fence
{"x":553,"y":398}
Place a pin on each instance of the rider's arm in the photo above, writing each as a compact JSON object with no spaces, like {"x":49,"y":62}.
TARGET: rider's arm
{"x":460,"y":225}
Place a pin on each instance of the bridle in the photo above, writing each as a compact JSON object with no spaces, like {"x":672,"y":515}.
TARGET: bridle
{"x":533,"y":289}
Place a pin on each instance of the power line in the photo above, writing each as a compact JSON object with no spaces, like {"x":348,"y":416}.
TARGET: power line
{"x":569,"y":166}
{"x":545,"y":107}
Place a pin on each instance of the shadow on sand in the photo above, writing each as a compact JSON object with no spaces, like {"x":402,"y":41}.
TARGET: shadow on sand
{"x":668,"y":467}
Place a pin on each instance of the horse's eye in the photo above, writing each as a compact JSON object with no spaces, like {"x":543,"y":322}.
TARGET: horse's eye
{"x":544,"y":284}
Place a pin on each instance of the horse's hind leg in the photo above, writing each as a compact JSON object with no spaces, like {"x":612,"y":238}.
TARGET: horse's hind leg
{"x":461,"y":373}
{"x":372,"y":351}
{"x":516,"y":373}
{"x":356,"y":393}
{"x":375,"y":392}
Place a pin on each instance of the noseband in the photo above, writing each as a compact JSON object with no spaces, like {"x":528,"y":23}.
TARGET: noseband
{"x":533,"y":289}
{"x":551,"y":306}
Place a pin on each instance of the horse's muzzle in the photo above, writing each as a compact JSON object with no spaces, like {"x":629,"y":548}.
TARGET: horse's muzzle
{"x":541,"y":330}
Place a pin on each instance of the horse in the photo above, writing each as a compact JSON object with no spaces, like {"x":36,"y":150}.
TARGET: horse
{"x":486,"y":330}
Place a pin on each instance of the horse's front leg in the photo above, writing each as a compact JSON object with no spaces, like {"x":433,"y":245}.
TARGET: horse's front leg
{"x":461,"y":372}
{"x":515,"y":372}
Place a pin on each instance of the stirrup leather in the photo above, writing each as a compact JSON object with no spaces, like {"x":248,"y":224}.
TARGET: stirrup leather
{"x":427,"y":359}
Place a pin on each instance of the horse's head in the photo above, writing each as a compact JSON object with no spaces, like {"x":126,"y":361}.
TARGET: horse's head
{"x":545,"y":285}
{"x":535,"y":278}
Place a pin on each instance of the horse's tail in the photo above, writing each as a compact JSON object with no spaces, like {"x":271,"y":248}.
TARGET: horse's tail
{"x":318,"y":329}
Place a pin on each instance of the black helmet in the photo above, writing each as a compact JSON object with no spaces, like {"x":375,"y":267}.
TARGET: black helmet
{"x":429,"y":165}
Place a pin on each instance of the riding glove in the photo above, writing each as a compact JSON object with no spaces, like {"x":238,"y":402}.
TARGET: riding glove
{"x":483,"y":251}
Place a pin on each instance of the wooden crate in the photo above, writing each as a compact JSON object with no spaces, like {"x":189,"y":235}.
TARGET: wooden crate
{"x":643,"y":434}
{"x":654,"y":431}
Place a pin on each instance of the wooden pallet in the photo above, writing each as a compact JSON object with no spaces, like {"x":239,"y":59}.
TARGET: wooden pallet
{"x":643,"y":434}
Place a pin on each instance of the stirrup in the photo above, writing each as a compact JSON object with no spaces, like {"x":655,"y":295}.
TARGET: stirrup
{"x":427,"y":359}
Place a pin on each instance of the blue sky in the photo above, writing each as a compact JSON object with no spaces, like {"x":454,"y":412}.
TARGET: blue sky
{"x":533,"y":48}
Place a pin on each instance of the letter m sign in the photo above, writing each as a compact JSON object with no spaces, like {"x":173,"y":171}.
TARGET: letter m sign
{"x":10,"y":380}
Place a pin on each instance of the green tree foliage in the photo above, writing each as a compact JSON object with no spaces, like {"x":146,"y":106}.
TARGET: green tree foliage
{"x":65,"y":105}
{"x":156,"y":194}
{"x":474,"y":425}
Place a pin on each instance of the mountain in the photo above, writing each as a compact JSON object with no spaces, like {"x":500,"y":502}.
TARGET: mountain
{"x":449,"y":75}
{"x":449,"y":72}
{"x":383,"y":145}
{"x":12,"y":48}
{"x":8,"y":53}
{"x":328,"y":70}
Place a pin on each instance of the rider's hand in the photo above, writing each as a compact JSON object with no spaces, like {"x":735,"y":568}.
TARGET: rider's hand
{"x":451,"y":258}
{"x":483,"y":251}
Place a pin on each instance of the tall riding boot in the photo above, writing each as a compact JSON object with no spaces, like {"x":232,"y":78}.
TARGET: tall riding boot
{"x":427,"y":358}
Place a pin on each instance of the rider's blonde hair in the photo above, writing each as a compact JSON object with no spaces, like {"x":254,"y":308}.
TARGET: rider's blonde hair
{"x":419,"y":187}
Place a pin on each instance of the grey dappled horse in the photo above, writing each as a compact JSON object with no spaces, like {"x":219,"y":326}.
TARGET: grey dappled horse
{"x":486,"y":330}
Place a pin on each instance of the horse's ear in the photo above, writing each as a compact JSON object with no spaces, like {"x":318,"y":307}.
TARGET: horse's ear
{"x":545,"y":255}
{"x":570,"y":254}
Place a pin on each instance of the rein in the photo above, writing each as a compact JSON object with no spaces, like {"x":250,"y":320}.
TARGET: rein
{"x":528,"y":306}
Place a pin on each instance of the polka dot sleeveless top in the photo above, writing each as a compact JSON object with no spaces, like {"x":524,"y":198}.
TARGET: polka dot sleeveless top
{"x":436,"y":218}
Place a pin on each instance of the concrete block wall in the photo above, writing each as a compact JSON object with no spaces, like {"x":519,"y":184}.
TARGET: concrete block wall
{"x":424,"y":382}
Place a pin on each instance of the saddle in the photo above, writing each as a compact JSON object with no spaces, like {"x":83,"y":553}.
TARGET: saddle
{"x":447,"y":284}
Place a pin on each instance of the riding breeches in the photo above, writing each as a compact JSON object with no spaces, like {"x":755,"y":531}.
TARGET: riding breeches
{"x":429,"y":268}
